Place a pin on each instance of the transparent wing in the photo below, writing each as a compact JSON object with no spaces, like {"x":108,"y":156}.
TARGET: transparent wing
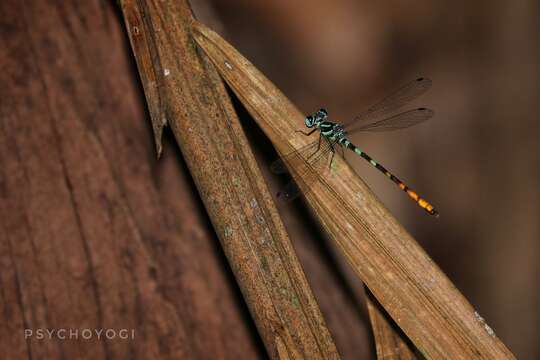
{"x":306,"y":163}
{"x":399,"y":121}
{"x":279,"y":166}
{"x":392,"y":102}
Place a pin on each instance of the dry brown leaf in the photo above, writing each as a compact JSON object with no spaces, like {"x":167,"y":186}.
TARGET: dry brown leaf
{"x":183,"y":87}
{"x":412,"y":289}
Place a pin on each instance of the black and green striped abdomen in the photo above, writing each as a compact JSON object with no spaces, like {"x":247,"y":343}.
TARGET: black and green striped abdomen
{"x":412,"y":194}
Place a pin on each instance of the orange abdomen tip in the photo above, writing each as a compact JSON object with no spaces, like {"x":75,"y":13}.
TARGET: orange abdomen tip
{"x":428,"y":207}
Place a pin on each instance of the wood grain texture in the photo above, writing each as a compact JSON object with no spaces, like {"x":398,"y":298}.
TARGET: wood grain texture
{"x":93,"y":233}
{"x":411,"y":288}
{"x":185,"y":91}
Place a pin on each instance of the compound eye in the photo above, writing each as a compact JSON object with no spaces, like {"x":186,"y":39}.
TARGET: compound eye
{"x":309,"y":121}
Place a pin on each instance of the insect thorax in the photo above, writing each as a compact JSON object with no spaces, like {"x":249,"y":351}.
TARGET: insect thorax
{"x":331,"y":130}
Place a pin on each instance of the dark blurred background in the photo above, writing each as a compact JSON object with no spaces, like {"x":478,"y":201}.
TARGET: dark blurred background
{"x":476,"y":161}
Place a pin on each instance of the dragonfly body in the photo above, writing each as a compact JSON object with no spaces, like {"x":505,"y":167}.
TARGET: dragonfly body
{"x":333,"y":135}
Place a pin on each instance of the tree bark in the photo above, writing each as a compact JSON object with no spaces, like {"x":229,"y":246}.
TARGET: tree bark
{"x":95,"y":234}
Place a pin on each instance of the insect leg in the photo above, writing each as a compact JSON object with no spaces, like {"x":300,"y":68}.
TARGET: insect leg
{"x":342,"y":151}
{"x":307,"y":133}
{"x":333,"y":150}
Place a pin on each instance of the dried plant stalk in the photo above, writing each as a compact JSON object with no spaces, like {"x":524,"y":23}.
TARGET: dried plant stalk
{"x":389,"y":343}
{"x":184,"y":90}
{"x":412,"y":289}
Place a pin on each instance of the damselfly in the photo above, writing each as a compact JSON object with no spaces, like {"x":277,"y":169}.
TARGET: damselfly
{"x":333,"y":136}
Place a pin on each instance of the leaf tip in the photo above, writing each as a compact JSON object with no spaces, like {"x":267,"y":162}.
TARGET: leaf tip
{"x":158,"y":134}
